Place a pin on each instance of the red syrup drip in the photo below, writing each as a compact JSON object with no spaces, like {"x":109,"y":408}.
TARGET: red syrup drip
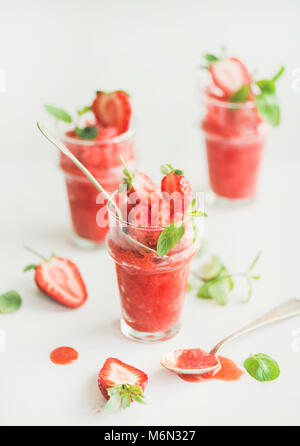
{"x":63,"y":355}
{"x":229,"y":371}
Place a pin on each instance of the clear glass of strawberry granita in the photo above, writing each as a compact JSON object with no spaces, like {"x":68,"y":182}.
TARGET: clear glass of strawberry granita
{"x":152,"y":242}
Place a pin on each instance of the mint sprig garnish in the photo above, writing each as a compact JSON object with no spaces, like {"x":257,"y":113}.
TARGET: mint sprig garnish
{"x":267,"y":102}
{"x":89,"y":132}
{"x":241,"y":95}
{"x":58,"y":113}
{"x":10,"y":302}
{"x":262,"y":367}
{"x":121,"y":395}
{"x":217,"y":282}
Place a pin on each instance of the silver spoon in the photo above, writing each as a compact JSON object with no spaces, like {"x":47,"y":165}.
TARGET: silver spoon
{"x":62,"y":148}
{"x":286,"y":310}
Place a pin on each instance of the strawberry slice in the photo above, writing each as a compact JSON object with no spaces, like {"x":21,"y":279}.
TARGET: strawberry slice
{"x":122,"y":382}
{"x":229,"y":75}
{"x":61,"y":280}
{"x":112,"y":109}
{"x":174,"y":181}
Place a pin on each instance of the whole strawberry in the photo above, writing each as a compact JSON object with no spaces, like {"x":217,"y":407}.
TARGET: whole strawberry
{"x":176,"y":188}
{"x":60,"y":279}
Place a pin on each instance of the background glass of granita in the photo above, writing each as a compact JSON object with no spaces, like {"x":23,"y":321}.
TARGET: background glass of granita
{"x":102,"y":158}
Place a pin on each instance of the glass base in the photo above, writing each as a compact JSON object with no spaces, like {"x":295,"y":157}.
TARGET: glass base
{"x":217,"y":200}
{"x":142,"y":336}
{"x":85,"y":243}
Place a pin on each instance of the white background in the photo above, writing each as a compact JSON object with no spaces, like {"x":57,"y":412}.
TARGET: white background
{"x":60,"y":53}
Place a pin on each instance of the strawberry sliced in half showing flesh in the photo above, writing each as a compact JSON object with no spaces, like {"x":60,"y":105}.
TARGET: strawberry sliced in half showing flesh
{"x":113,"y":109}
{"x":60,"y":279}
{"x":144,"y":188}
{"x":229,"y":75}
{"x":115,"y":373}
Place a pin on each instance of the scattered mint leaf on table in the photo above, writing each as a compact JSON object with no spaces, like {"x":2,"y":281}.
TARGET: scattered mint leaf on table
{"x":168,"y":238}
{"x":89,"y":132}
{"x":10,"y":302}
{"x":262,"y":367}
{"x":58,"y":113}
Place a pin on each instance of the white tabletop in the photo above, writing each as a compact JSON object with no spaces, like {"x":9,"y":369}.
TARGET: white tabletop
{"x":35,"y":391}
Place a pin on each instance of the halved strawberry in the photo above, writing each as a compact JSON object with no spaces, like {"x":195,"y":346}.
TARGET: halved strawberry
{"x":229,"y":75}
{"x":121,"y":381}
{"x":175,"y":182}
{"x":112,"y":109}
{"x":60,"y":279}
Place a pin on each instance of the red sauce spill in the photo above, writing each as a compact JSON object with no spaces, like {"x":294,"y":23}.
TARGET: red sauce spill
{"x":63,"y":355}
{"x":229,"y":371}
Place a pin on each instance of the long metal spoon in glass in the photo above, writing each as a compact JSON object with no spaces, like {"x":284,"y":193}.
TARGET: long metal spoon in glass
{"x":211,"y":362}
{"x":62,"y":148}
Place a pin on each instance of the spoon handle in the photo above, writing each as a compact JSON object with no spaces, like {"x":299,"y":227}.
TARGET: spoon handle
{"x":60,"y":146}
{"x":288,"y":309}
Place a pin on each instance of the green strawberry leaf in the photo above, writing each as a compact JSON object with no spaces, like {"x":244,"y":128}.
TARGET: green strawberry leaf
{"x":10,"y":302}
{"x":84,"y":110}
{"x":168,"y":238}
{"x":210,"y":58}
{"x":262,"y":367}
{"x":125,"y":402}
{"x":241,"y":95}
{"x":29,"y":267}
{"x":58,"y":113}
{"x":113,"y":403}
{"x":89,"y":132}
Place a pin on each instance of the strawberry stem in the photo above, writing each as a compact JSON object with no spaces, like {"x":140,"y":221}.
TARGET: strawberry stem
{"x":36,"y":253}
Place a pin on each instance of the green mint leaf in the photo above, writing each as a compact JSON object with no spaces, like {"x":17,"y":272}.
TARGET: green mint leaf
{"x":255,"y":277}
{"x":256,"y":259}
{"x":266,"y":86}
{"x":113,"y":403}
{"x":10,"y":302}
{"x":29,"y":267}
{"x":84,"y":110}
{"x":241,"y":95}
{"x":210,"y":58}
{"x":58,"y":113}
{"x":203,"y":292}
{"x":168,"y":238}
{"x":125,"y":402}
{"x":262,"y":367}
{"x":89,"y":132}
{"x":268,"y":108}
{"x":212,"y":269}
{"x":219,"y":290}
{"x":280,"y":72}
{"x":164,"y":170}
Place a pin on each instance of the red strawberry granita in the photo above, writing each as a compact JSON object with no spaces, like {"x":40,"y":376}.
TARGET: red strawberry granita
{"x":235,"y":126}
{"x":152,"y":283}
{"x":98,"y":143}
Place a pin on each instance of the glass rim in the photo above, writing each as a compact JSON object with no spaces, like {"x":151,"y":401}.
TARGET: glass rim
{"x":114,"y":140}
{"x":226,"y":104}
